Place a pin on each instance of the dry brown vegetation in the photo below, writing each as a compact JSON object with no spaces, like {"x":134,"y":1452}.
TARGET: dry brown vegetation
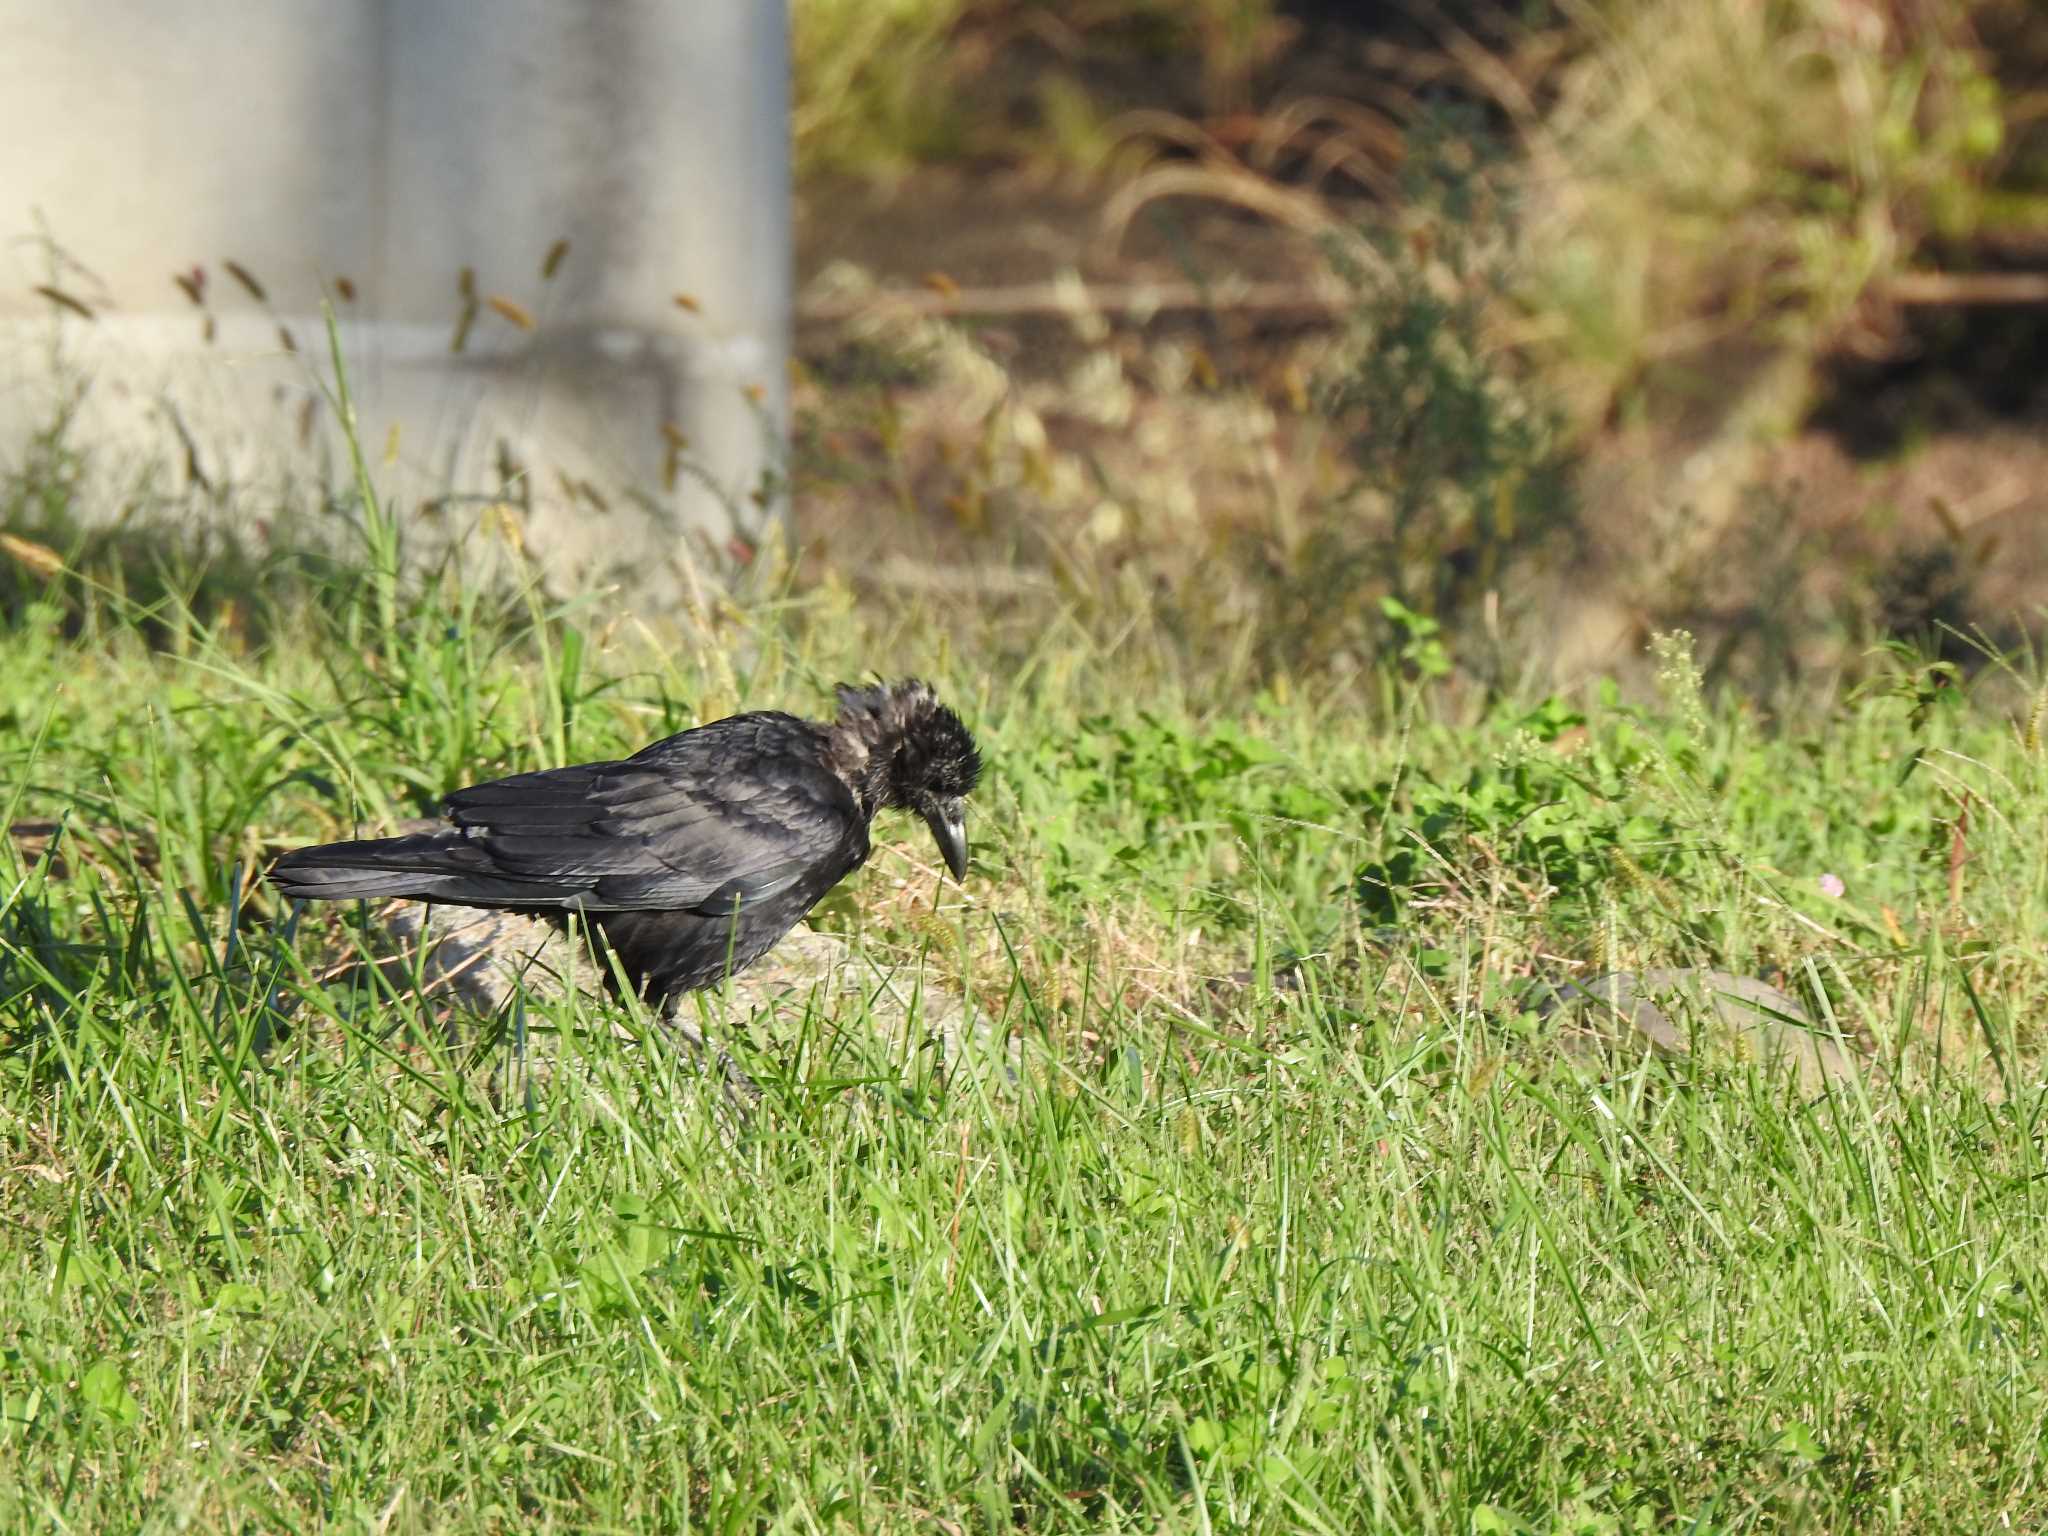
{"x":1736,"y":262}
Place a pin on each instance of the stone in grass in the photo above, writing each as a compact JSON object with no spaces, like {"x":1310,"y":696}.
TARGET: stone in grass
{"x":482,"y":960}
{"x":1676,"y":1009}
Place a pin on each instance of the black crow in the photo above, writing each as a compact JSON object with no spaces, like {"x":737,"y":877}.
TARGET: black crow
{"x":692,"y":857}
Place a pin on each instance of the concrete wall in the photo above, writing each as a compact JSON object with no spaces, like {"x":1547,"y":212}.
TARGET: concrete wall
{"x":393,"y":145}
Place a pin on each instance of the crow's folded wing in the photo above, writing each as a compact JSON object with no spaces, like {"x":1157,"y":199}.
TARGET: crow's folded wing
{"x":698,"y":823}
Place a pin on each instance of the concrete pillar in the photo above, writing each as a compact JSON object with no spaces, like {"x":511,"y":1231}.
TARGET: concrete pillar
{"x":556,"y":235}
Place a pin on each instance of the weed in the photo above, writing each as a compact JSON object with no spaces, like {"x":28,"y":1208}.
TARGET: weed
{"x":1457,"y":472}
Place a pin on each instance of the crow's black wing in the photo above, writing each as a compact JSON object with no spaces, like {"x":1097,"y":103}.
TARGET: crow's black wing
{"x":739,"y":810}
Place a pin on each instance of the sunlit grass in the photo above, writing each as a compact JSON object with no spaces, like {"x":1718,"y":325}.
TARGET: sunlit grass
{"x":1344,"y":1246}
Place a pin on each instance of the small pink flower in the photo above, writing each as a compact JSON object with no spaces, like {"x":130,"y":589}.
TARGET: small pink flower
{"x":1831,"y":885}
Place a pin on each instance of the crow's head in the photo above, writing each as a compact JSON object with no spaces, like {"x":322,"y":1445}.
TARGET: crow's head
{"x":911,"y":753}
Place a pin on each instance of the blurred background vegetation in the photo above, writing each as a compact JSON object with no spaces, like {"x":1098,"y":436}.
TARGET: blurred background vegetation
{"x":1284,"y":338}
{"x":1551,"y":323}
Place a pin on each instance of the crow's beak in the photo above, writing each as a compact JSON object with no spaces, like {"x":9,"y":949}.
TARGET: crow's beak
{"x":949,"y":831}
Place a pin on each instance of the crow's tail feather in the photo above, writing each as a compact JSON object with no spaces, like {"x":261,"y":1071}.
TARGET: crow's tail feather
{"x":429,"y":866}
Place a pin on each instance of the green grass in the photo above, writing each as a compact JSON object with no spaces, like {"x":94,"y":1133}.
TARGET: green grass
{"x":1361,"y":1251}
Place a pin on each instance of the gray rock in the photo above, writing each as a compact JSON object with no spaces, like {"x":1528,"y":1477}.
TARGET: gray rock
{"x":1680,"y":1011}
{"x":490,"y":962}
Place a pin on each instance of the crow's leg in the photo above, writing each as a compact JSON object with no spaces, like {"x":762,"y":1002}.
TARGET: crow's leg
{"x":741,"y":1091}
